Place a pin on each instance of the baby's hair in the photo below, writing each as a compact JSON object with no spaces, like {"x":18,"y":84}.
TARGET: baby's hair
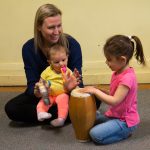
{"x":120,"y":45}
{"x":56,"y":47}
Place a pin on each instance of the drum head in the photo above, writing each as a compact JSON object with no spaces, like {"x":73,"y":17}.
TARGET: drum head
{"x":77,"y":93}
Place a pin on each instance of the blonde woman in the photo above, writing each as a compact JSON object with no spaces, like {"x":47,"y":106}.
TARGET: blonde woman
{"x":47,"y":31}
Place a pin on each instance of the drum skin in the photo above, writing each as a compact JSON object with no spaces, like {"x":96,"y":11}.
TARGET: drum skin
{"x":82,"y":111}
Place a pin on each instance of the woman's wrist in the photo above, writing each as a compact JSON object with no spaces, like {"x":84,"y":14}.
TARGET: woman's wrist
{"x":37,"y":92}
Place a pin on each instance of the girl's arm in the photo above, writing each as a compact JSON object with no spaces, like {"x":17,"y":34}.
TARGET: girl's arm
{"x":103,"y":89}
{"x":119,"y":95}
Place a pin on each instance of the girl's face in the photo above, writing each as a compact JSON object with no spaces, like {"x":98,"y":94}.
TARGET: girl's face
{"x":58,"y":60}
{"x":51,"y":29}
{"x":116,"y":64}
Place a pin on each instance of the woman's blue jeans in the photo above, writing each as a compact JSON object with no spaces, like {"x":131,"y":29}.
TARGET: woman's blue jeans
{"x":109,"y":130}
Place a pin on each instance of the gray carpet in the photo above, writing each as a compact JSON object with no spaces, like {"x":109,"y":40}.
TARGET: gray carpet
{"x":24,"y":137}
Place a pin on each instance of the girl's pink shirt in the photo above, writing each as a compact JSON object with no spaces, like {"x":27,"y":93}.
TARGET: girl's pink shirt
{"x":126,"y":110}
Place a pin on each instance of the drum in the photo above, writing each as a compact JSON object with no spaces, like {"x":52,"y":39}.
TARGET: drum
{"x":82,"y":111}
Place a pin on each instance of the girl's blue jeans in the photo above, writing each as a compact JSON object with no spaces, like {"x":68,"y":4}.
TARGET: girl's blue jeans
{"x":109,"y":130}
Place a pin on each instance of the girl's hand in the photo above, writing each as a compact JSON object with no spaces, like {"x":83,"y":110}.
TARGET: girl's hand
{"x":88,"y":89}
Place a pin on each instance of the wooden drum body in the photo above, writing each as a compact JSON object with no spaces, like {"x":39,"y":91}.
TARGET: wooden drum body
{"x":82,"y":111}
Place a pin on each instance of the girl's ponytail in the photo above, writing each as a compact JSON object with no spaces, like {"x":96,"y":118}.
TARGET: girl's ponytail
{"x":138,"y":49}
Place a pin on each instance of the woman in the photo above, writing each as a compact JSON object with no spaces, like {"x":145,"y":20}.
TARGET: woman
{"x":47,"y":31}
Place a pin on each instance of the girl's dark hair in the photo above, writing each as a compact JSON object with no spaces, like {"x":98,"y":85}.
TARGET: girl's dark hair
{"x":120,"y":45}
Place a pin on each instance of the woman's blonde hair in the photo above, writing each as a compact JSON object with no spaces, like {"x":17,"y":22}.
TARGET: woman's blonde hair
{"x":44,"y":11}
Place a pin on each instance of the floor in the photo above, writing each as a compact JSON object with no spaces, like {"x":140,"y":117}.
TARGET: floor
{"x":22,"y":88}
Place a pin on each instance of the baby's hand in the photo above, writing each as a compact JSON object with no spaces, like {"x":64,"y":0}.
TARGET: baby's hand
{"x":70,"y":81}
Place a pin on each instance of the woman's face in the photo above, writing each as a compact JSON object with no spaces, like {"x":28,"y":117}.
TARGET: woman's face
{"x":51,"y":29}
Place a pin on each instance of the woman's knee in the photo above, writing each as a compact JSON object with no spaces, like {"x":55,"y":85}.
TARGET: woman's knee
{"x":9,"y":109}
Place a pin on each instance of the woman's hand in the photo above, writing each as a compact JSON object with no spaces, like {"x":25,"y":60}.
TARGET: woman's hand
{"x":77,"y":75}
{"x":36,"y":90}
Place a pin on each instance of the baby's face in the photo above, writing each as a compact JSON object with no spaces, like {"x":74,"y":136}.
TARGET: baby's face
{"x":58,"y":60}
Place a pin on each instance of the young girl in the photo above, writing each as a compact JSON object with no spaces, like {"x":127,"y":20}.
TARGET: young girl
{"x":122,"y":117}
{"x":57,"y":58}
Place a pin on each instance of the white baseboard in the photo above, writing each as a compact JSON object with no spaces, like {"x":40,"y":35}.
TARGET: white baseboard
{"x":104,"y":78}
{"x":12,"y":74}
{"x":97,"y":72}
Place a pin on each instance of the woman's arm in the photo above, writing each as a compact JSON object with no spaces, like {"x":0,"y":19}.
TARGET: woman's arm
{"x":75,"y":57}
{"x":30,"y":66}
